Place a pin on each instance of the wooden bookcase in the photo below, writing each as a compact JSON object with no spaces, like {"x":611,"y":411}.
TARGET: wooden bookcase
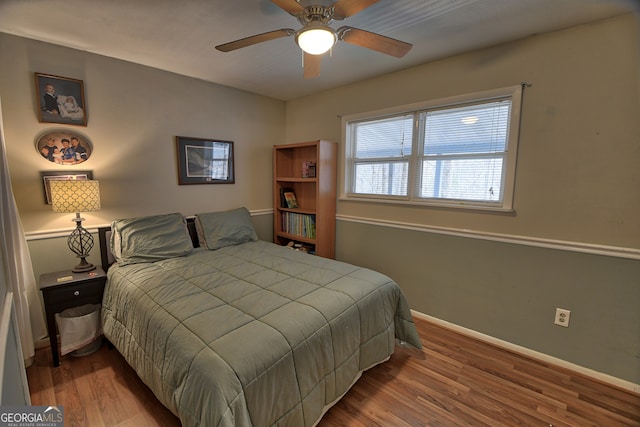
{"x":316,"y":196}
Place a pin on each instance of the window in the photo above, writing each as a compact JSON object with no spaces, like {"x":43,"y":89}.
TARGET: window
{"x":457,"y":152}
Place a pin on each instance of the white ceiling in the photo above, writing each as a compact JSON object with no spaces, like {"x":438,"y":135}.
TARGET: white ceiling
{"x":180,"y":35}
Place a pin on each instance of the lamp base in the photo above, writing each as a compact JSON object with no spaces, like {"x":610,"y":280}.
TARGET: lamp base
{"x":83,"y":267}
{"x":80,"y":242}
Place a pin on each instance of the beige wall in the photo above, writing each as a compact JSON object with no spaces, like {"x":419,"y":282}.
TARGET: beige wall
{"x":577,"y":172}
{"x":577,"y":183}
{"x":134,"y":114}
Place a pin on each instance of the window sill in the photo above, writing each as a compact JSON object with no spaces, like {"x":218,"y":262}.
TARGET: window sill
{"x":441,"y":205}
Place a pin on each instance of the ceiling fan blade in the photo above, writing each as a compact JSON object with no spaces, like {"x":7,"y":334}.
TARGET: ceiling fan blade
{"x":258,"y":38}
{"x":311,"y":65}
{"x":377,"y":42}
{"x":346,"y":8}
{"x":291,"y":6}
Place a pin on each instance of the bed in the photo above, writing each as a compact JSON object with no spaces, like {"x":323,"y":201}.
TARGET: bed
{"x":228,"y":330}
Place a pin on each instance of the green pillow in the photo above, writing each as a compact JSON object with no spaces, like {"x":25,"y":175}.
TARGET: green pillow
{"x":219,"y":229}
{"x":149,"y":239}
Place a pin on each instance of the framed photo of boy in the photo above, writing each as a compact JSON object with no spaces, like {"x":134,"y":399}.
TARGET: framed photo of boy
{"x":204,"y":161}
{"x":60,"y":100}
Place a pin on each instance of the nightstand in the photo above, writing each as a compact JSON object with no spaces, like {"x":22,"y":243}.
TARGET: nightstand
{"x":65,"y":289}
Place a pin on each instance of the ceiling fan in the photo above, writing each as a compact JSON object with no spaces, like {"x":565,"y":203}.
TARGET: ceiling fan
{"x":316,"y":37}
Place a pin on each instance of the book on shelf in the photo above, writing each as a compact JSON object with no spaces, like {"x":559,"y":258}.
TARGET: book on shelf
{"x":302,"y":225}
{"x":288,"y":198}
{"x":283,"y":201}
{"x":283,"y":198}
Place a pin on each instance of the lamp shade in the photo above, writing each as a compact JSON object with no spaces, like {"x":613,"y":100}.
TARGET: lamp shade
{"x":316,"y":39}
{"x":75,"y":196}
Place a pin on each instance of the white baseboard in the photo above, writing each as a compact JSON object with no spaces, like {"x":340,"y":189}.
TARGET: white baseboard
{"x":605,"y":378}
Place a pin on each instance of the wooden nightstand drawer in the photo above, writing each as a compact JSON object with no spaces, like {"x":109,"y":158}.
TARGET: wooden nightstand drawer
{"x":76,"y":294}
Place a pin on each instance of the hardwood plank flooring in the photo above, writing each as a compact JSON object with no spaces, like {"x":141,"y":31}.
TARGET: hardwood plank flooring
{"x":454,"y":380}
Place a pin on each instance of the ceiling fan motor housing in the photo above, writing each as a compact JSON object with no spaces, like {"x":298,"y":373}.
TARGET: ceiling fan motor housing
{"x":315,"y":14}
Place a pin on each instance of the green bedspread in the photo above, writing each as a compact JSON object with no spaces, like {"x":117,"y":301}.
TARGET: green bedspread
{"x":254,"y":334}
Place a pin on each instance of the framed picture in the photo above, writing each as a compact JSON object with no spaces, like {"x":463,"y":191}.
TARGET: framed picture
{"x":204,"y":161}
{"x":60,"y":100}
{"x":64,"y":147}
{"x":48,"y":176}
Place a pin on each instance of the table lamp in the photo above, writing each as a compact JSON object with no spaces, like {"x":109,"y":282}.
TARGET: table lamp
{"x":77,"y":196}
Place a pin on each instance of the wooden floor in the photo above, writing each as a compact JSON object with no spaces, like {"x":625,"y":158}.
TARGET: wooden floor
{"x":454,"y":381}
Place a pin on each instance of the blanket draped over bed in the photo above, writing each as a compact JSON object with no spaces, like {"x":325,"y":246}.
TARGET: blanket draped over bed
{"x":254,"y":334}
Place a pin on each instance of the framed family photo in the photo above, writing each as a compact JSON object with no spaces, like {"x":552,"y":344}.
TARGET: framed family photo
{"x":60,"y":100}
{"x":204,"y":161}
{"x":64,"y":147}
{"x":48,"y":176}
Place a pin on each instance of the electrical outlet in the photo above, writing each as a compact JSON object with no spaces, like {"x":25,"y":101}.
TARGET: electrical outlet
{"x":562,"y":317}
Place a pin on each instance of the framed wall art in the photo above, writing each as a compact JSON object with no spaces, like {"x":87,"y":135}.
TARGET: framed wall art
{"x":64,"y":147}
{"x":204,"y":161}
{"x":60,"y":100}
{"x":48,"y":176}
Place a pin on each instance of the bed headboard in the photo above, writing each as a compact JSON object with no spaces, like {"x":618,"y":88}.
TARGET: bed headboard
{"x":104,"y":237}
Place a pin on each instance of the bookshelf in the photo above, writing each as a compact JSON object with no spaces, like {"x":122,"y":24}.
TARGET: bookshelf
{"x":313,"y":223}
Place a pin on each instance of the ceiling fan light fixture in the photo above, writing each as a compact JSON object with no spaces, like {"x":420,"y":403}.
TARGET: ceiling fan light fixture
{"x":316,"y":40}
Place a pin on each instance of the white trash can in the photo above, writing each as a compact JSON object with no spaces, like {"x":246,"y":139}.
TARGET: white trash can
{"x":80,"y":330}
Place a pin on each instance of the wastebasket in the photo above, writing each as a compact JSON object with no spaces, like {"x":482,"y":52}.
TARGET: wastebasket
{"x":80,"y":330}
